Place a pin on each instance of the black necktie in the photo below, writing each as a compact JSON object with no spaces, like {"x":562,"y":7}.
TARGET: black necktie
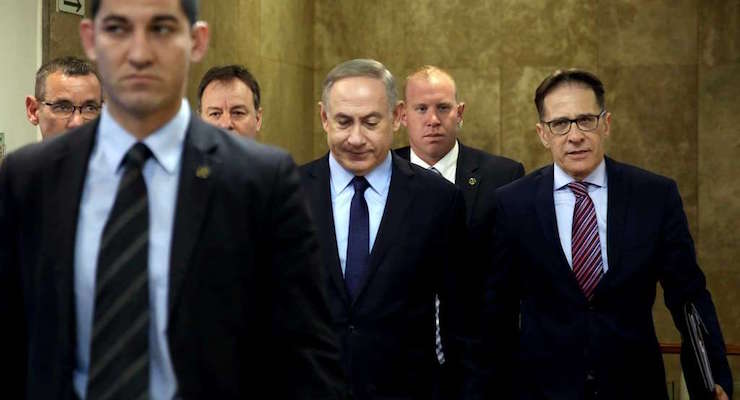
{"x":119,"y":351}
{"x":358,"y":241}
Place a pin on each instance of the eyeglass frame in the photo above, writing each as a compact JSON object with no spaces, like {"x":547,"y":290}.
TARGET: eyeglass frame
{"x":74,"y":109}
{"x":572,"y":121}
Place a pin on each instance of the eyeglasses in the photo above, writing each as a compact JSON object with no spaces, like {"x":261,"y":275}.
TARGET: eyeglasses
{"x":585,"y":123}
{"x":65,"y":109}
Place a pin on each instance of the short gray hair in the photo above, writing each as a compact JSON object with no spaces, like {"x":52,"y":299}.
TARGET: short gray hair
{"x":69,"y":66}
{"x":361,"y":67}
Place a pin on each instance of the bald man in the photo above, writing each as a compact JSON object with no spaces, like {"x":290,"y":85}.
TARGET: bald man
{"x":433,"y":116}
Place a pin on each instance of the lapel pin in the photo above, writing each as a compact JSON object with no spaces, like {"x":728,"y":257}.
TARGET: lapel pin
{"x":472,"y":182}
{"x":203,"y":172}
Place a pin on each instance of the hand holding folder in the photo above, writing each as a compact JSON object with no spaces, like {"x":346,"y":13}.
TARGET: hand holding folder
{"x":696,"y":330}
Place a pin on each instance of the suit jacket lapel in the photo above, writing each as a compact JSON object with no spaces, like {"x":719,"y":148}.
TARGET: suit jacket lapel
{"x":199,"y":163}
{"x":467,"y":178}
{"x":400,"y":195}
{"x":324,"y":215}
{"x":63,"y":186}
{"x":618,"y":195}
{"x":545,"y":204}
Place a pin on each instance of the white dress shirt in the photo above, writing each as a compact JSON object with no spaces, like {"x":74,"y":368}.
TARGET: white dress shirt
{"x":447,"y":165}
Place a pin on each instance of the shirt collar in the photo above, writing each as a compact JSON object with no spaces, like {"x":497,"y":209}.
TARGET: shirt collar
{"x":597,"y":177}
{"x":379,"y":178}
{"x":165,"y":143}
{"x":443,"y":165}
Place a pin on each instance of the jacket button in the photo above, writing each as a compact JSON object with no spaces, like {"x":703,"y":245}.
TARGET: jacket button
{"x":351,"y":328}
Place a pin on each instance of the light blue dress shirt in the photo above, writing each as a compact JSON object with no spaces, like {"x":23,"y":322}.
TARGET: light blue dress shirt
{"x":565,"y":202}
{"x":161,"y":173}
{"x":341,"y":198}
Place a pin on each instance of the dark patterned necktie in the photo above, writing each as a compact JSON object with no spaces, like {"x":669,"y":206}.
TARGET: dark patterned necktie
{"x":358,"y":241}
{"x":586,"y":247}
{"x":437,"y":335}
{"x":119,"y":352}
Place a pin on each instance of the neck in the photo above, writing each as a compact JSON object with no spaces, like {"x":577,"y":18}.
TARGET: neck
{"x":143,"y":124}
{"x":430,"y":160}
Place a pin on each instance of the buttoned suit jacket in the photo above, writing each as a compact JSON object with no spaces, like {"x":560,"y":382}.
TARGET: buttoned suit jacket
{"x":246,"y":305}
{"x":388,"y":331}
{"x":563,"y":338}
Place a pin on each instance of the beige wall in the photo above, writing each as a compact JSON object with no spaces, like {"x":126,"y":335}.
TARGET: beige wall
{"x":273,"y":39}
{"x":671,"y":70}
{"x":60,"y":32}
{"x":20,"y":42}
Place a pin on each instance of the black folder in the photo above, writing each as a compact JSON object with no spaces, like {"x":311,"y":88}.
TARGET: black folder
{"x":696,"y":330}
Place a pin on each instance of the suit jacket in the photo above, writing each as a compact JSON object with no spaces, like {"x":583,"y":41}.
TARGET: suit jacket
{"x":246,"y":305}
{"x":609,"y":345}
{"x":478,"y":175}
{"x":388,"y":332}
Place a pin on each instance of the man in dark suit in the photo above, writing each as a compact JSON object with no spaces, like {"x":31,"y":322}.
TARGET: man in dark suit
{"x":151,"y":255}
{"x":390,"y":233}
{"x":579,"y":248}
{"x":433,"y":117}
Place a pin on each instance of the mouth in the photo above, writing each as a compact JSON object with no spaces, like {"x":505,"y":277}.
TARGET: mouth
{"x":138,"y":78}
{"x":577,"y":153}
{"x":356,"y":155}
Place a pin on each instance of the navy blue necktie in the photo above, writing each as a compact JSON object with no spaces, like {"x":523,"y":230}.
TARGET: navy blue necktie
{"x":358,"y":241}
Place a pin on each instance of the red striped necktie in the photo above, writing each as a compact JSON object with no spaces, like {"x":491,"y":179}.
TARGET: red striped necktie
{"x":587,"y":264}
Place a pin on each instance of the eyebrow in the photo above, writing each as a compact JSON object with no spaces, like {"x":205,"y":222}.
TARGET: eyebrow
{"x":155,"y":19}
{"x":114,"y":18}
{"x":576,"y":117}
{"x":372,"y":115}
{"x":164,"y":18}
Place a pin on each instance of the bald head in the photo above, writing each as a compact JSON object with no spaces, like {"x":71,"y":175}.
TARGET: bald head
{"x":430,"y":73}
{"x":432,"y":115}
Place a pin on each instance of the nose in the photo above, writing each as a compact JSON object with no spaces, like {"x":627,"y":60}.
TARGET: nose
{"x":75,"y":120}
{"x":355,"y":138}
{"x":575,"y":134}
{"x":225,"y":122}
{"x":140,"y":52}
{"x":433,"y":120}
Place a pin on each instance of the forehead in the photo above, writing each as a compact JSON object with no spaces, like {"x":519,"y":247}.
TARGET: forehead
{"x":60,"y":85}
{"x":434,"y":84}
{"x":570,"y":99}
{"x":232,"y":88}
{"x":358,"y":93}
{"x":141,"y":9}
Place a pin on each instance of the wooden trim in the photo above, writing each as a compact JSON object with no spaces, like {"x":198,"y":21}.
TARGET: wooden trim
{"x":675,"y":348}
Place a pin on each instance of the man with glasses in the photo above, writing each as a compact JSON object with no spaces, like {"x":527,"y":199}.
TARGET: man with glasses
{"x":579,"y":248}
{"x":67,"y":94}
